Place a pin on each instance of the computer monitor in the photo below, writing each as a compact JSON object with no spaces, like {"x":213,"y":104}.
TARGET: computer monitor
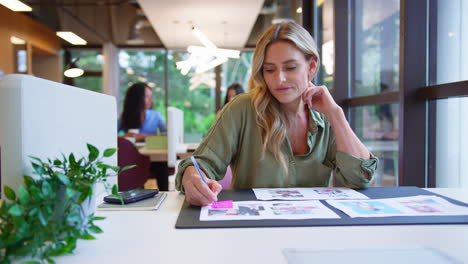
{"x":44,"y":119}
{"x":175,"y":135}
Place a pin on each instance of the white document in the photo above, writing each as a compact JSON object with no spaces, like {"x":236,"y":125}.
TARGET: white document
{"x":421,"y":205}
{"x":307,"y":194}
{"x":256,"y":210}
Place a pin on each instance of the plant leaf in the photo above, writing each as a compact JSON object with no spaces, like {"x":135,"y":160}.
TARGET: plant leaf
{"x":96,"y":229}
{"x":36,"y":159}
{"x":9,"y":193}
{"x":93,"y":152}
{"x":23,"y":195}
{"x":38,"y":168}
{"x":46,"y":189}
{"x":70,"y":193}
{"x":87,"y":236}
{"x":42,"y":219}
{"x":127,"y":167}
{"x":71,"y":159}
{"x":109,"y":152}
{"x":15,"y":210}
{"x":64,"y":179}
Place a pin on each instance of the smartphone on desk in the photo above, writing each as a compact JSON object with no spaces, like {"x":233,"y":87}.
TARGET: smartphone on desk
{"x":131,"y":196}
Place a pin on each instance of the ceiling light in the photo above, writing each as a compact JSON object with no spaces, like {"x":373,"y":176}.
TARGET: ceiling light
{"x":299,"y":10}
{"x":17,"y":41}
{"x":71,"y":37}
{"x":16,"y":5}
{"x":201,"y":58}
{"x":203,"y":38}
{"x":235,"y":54}
{"x":72,"y":70}
{"x":135,"y":36}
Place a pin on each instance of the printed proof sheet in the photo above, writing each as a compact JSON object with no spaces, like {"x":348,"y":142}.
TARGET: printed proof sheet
{"x":307,"y":194}
{"x":256,"y":210}
{"x":421,"y":205}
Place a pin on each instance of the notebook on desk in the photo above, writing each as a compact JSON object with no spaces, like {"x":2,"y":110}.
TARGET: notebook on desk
{"x":144,"y":205}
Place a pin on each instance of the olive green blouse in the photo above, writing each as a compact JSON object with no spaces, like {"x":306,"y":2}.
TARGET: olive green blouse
{"x":234,"y":139}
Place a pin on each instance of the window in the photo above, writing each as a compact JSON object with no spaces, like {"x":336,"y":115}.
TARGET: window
{"x":452,"y":124}
{"x":143,"y":66}
{"x":326,"y":44}
{"x":236,"y":71}
{"x":91,"y":62}
{"x":376,"y":46}
{"x":366,"y":75}
{"x":194,"y":94}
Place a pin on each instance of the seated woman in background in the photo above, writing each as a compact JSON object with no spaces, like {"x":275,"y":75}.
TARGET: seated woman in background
{"x":137,"y":113}
{"x":285,"y":132}
{"x":233,"y":90}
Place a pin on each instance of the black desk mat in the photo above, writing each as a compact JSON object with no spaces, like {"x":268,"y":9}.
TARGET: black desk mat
{"x":189,"y":216}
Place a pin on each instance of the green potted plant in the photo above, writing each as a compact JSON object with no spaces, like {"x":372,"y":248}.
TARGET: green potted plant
{"x":50,"y":212}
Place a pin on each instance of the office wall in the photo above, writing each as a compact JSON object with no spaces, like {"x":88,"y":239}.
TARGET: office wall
{"x":38,"y":38}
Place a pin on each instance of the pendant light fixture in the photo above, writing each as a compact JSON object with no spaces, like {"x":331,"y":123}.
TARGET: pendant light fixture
{"x":72,"y":70}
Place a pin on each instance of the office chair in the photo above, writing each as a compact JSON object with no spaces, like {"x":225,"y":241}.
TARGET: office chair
{"x":128,"y":155}
{"x":226,"y":181}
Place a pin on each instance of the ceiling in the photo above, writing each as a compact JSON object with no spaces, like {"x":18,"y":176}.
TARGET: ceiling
{"x":226,"y":23}
{"x":161,"y":23}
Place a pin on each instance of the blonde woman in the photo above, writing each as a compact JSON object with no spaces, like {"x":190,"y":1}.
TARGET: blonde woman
{"x":286,"y":132}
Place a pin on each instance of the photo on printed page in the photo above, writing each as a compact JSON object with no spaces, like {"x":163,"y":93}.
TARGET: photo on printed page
{"x":258,"y":210}
{"x":300,"y":194}
{"x":430,"y":205}
{"x":365,"y":208}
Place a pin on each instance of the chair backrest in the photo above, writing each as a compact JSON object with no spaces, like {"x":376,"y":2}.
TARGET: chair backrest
{"x":226,"y":181}
{"x":128,"y":155}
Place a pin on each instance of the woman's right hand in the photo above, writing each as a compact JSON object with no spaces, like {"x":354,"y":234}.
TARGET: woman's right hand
{"x":196,"y":191}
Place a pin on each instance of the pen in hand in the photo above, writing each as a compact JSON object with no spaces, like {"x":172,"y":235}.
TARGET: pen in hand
{"x":200,"y":173}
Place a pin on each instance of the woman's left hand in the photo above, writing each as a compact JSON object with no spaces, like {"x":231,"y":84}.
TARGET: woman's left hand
{"x":319,"y":99}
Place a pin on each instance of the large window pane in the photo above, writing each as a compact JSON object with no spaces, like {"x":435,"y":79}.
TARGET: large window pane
{"x":143,"y":66}
{"x":377,"y":127}
{"x":452,"y":124}
{"x":91,"y":62}
{"x":92,"y":83}
{"x":326,"y":44}
{"x":236,"y":71}
{"x":376,"y":46}
{"x":193,"y":93}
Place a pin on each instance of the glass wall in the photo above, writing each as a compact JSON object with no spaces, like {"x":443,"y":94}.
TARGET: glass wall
{"x":452,"y":124}
{"x":192,"y":93}
{"x":377,"y":127}
{"x":143,"y":66}
{"x":326,"y":44}
{"x":376,"y":46}
{"x":236,"y":71}
{"x":375,"y":70}
{"x":91,"y":62}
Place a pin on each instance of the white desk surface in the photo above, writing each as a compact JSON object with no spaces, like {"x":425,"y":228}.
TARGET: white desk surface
{"x":150,"y":237}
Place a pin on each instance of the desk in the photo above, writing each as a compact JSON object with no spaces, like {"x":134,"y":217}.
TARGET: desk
{"x":161,"y":154}
{"x":150,"y":237}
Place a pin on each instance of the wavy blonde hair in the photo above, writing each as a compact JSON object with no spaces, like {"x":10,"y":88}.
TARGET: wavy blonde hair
{"x":270,"y":120}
